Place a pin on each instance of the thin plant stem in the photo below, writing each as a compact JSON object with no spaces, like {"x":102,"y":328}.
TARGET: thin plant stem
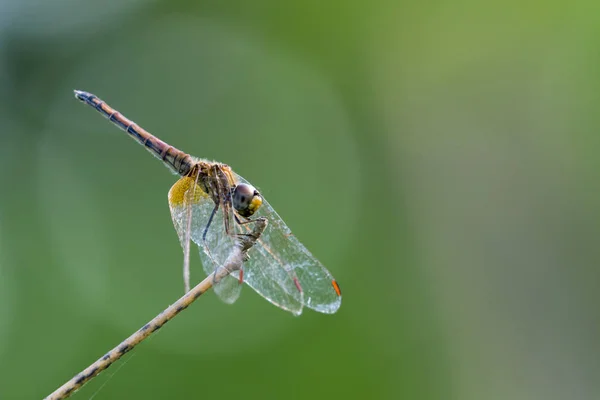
{"x":233,"y":263}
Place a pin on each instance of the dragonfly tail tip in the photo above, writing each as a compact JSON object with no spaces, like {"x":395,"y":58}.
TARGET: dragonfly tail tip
{"x":79,"y":94}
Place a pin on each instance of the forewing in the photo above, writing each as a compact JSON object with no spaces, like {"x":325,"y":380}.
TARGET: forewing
{"x":190,"y":210}
{"x":182,"y":196}
{"x":216,"y":249}
{"x":278,"y":259}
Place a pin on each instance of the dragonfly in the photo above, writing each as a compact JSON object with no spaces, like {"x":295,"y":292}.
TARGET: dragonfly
{"x":214,"y":207}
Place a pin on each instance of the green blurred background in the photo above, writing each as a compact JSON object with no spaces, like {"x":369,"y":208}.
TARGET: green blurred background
{"x":440,"y":158}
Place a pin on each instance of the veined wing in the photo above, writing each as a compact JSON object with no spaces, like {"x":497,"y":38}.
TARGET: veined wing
{"x":181,"y":199}
{"x":191,"y":209}
{"x":279,"y":259}
{"x":217,"y":248}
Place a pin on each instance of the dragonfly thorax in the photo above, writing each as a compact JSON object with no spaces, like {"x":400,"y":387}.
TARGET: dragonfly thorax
{"x":246,"y":199}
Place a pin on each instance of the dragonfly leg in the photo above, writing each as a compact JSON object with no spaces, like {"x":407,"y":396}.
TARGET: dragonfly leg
{"x":242,"y":223}
{"x":206,"y":248}
{"x":212,"y":214}
{"x":248,"y":221}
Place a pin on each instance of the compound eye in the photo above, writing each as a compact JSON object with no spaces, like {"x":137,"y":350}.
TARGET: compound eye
{"x":246,"y":199}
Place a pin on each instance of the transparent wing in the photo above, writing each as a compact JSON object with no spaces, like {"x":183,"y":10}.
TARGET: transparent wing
{"x":191,"y":210}
{"x":284,"y":272}
{"x":216,"y":249}
{"x":180,"y":202}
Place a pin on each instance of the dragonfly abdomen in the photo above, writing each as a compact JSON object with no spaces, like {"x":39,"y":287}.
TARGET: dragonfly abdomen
{"x":178,"y":161}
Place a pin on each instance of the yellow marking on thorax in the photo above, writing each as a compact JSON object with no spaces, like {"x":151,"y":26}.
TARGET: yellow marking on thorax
{"x":177,"y":194}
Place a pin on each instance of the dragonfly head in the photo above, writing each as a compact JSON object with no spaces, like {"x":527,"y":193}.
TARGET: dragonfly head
{"x":246,"y":199}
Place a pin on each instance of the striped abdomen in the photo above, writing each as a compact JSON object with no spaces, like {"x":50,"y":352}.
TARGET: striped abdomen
{"x":178,"y":161}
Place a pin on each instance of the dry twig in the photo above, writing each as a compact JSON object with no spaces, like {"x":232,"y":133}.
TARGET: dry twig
{"x":234,"y":263}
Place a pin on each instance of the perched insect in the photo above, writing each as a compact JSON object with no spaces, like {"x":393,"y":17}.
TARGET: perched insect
{"x":212,"y":206}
